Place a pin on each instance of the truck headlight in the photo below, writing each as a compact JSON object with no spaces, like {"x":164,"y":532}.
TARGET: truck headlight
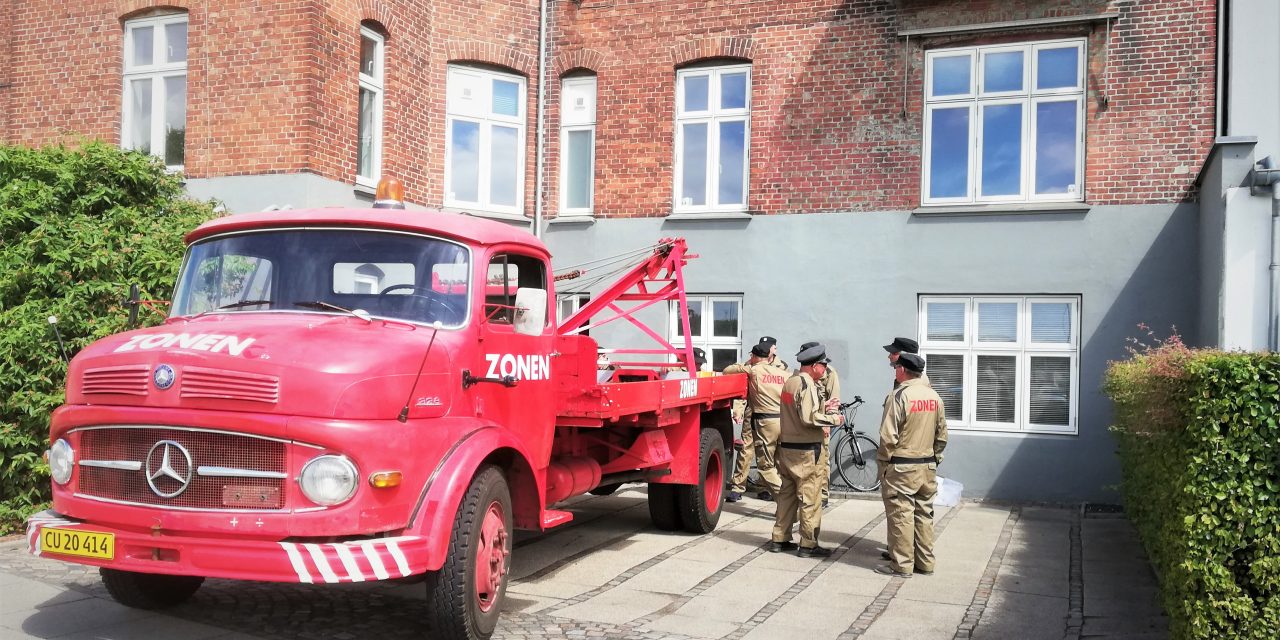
{"x":328,"y":480}
{"x":62,"y":460}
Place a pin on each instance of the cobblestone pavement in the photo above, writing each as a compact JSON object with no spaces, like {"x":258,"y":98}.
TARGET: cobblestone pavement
{"x":1003,"y":572}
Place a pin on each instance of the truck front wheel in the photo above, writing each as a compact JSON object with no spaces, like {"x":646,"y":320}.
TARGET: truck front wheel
{"x":148,"y":590}
{"x":700,"y":504}
{"x":466,"y":594}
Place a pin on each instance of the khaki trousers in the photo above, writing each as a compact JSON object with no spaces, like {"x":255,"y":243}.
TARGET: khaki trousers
{"x":824,"y":469}
{"x":759,"y":445}
{"x":798,"y":497}
{"x":908,"y":491}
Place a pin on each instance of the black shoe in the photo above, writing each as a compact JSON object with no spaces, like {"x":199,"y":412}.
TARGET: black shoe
{"x":814,"y":552}
{"x":733,"y":496}
{"x":779,"y":547}
{"x":765,"y":495}
{"x":921,"y":572}
{"x":825,"y":503}
{"x":885,"y":555}
{"x":887,"y":570}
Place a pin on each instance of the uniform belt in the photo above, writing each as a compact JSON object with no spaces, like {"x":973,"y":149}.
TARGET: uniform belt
{"x":901,"y":460}
{"x":765,"y":416}
{"x":804,"y":446}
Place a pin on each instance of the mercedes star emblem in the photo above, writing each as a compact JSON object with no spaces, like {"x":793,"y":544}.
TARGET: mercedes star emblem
{"x":168,"y":465}
{"x":163,"y":377}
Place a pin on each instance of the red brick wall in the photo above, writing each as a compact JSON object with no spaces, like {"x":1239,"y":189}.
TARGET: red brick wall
{"x":828,"y":132}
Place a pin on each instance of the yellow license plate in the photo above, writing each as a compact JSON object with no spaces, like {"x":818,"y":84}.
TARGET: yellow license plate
{"x":86,"y":544}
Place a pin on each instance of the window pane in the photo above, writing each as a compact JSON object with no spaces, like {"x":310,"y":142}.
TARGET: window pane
{"x":949,"y":153}
{"x":1056,"y":147}
{"x":951,"y":75}
{"x":578,"y":170}
{"x":506,"y":98}
{"x":695,"y":319}
{"x":140,"y":115}
{"x":695,"y":93}
{"x":1057,"y":68}
{"x":1051,"y":391}
{"x":693,"y":165}
{"x":946,"y":376}
{"x":1002,"y":150}
{"x":175,"y":36}
{"x":364,"y":154}
{"x":175,"y":119}
{"x":721,"y":358}
{"x":725,"y":319}
{"x":733,"y":158}
{"x":733,"y":91}
{"x":143,"y":45}
{"x":945,"y":321}
{"x":996,"y":388}
{"x":1002,"y":71}
{"x":997,"y":322}
{"x":464,"y":161}
{"x":1051,"y":322}
{"x":369,"y":57}
{"x":504,"y":158}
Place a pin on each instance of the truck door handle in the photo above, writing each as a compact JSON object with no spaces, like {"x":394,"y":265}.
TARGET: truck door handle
{"x":468,"y":380}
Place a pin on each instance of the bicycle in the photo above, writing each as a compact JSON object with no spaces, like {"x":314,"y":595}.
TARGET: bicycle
{"x":854,"y":457}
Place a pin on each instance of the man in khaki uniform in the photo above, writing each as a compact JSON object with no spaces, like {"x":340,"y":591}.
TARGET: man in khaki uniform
{"x":913,"y":433}
{"x":760,"y":424}
{"x":900,"y":346}
{"x":829,"y":396}
{"x":805,"y":423}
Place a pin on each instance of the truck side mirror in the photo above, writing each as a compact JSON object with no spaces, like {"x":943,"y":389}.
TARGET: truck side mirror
{"x":531,"y":311}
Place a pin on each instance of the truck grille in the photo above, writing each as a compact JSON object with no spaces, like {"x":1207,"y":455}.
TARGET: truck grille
{"x":114,"y":466}
{"x":200,"y":382}
{"x":127,"y":379}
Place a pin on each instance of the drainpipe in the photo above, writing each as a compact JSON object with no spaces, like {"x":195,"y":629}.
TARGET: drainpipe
{"x":540,"y":161}
{"x":1273,"y":329}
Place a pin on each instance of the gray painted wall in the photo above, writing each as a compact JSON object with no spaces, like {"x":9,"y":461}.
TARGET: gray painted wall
{"x":243,"y":194}
{"x":852,"y":281}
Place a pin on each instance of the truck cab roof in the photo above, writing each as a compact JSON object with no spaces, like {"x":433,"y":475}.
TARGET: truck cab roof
{"x":464,"y":228}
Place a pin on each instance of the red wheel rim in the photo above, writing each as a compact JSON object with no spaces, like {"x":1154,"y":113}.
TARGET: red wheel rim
{"x":713,"y":482}
{"x":491,"y":557}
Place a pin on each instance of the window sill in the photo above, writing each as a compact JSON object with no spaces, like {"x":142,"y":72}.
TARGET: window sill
{"x":1004,"y":209}
{"x":710,"y":215}
{"x":503,"y":216}
{"x":1021,"y":433}
{"x":363,"y":188}
{"x":572,"y":219}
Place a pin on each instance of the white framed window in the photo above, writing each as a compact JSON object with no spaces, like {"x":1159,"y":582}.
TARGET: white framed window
{"x":577,"y":145}
{"x":715,"y":323}
{"x":154,"y":113}
{"x":713,"y":136}
{"x":372,"y":89}
{"x":569,"y":303}
{"x":1004,"y":123}
{"x":484,"y":140}
{"x":1004,"y":363}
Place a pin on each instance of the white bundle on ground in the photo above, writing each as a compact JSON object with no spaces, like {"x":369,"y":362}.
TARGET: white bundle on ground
{"x":948,"y":492}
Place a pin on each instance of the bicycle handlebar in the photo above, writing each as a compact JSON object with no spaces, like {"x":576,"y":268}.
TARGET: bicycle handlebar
{"x":857,"y":400}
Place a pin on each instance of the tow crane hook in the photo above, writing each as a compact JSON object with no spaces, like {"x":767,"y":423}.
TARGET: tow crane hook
{"x":469,"y":380}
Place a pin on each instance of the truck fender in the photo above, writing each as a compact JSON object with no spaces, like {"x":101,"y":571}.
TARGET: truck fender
{"x":448,"y":483}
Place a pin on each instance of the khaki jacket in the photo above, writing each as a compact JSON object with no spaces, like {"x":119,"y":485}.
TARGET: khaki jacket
{"x":914,"y":424}
{"x":803,"y":418}
{"x":764,"y":386}
{"x":829,"y":385}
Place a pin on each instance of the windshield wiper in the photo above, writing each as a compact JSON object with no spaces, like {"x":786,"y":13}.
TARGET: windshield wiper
{"x":321,"y":304}
{"x":230,"y":305}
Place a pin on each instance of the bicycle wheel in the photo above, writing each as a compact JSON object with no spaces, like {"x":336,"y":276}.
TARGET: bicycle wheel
{"x":857,"y":467}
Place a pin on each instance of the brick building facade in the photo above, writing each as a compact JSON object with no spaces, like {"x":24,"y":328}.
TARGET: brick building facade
{"x":1012,"y":183}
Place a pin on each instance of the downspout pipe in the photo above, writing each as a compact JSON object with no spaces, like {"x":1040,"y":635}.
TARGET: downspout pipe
{"x":1273,"y":329}
{"x":539,"y":151}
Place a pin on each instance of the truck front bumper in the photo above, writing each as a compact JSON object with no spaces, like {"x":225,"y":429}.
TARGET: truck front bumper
{"x":239,"y":558}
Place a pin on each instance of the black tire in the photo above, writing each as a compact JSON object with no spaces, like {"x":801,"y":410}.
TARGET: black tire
{"x":700,"y":504}
{"x":461,"y":605}
{"x":148,"y":590}
{"x":606,"y":489}
{"x":860,"y":473}
{"x":663,"y":507}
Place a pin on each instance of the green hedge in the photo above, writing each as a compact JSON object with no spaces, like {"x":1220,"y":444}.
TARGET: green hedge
{"x":77,"y":227}
{"x":1200,"y":449}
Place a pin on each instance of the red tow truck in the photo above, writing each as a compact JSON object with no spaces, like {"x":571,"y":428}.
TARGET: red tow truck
{"x":343,"y":395}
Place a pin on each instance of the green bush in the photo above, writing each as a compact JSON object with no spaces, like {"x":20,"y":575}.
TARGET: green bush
{"x":77,"y":227}
{"x":1200,"y":449}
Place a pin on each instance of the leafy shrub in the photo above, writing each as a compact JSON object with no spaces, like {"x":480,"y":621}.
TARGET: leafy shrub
{"x":77,"y":227}
{"x":1200,"y":449}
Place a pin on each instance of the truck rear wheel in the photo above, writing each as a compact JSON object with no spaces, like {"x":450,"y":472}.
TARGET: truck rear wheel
{"x":700,"y":504}
{"x":148,"y":590}
{"x":664,"y":509}
{"x":466,"y":594}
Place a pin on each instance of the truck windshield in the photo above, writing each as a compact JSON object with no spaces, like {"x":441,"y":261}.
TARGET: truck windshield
{"x":382,"y":274}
